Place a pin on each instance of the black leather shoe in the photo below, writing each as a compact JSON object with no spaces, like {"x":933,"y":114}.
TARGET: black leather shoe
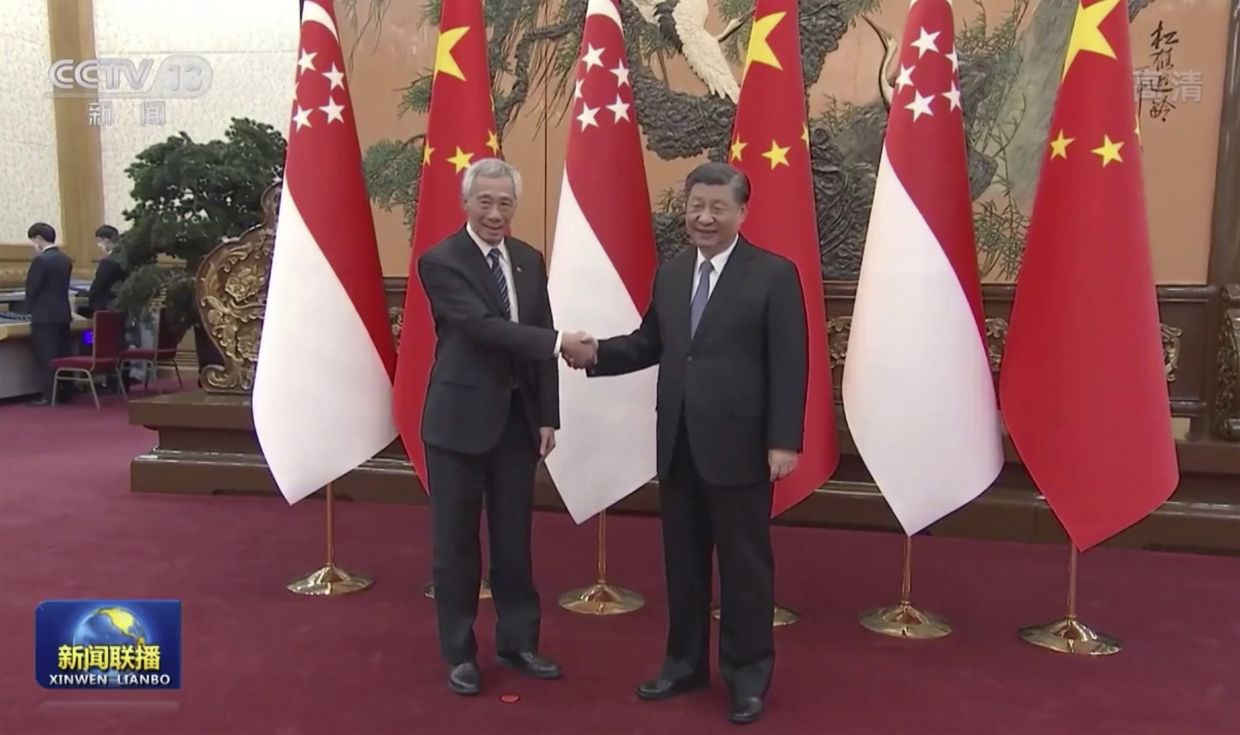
{"x":745,"y":710}
{"x":464,"y":679}
{"x":531,"y":664}
{"x":661,"y":688}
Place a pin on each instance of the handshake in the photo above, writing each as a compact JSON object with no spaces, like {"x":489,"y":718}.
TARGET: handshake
{"x":579,"y":350}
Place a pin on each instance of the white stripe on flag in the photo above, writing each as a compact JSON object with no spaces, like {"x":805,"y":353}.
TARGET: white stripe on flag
{"x":605,"y":448}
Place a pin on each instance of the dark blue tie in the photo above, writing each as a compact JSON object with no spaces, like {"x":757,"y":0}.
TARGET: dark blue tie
{"x":698,"y":306}
{"x":497,"y":272}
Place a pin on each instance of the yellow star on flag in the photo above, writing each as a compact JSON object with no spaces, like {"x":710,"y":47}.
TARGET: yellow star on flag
{"x":738,"y":145}
{"x":460,"y":160}
{"x":778,"y":155}
{"x":444,"y":62}
{"x":805,"y":134}
{"x":759,"y":48}
{"x":493,"y":142}
{"x":1059,"y":146}
{"x":1137,"y":130}
{"x":426,"y":153}
{"x":1109,"y":151}
{"x":1086,"y":34}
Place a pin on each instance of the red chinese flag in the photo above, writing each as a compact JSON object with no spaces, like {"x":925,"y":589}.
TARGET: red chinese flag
{"x":460,"y":130}
{"x":770,"y":143}
{"x":1082,"y":387}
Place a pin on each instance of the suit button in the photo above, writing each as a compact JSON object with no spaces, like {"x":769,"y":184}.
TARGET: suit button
{"x":689,"y":358}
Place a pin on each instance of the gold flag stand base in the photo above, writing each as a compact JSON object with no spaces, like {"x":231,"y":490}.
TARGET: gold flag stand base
{"x":484,"y":590}
{"x":601,"y":598}
{"x":783,"y":615}
{"x":1069,"y":634}
{"x":329,"y":580}
{"x":903,"y":620}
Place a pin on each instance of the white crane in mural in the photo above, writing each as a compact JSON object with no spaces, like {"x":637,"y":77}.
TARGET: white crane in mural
{"x":684,"y":23}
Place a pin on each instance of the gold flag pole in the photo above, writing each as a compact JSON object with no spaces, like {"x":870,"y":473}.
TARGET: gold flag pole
{"x":330,"y":580}
{"x":601,"y":598}
{"x":1069,"y":634}
{"x":903,"y":620}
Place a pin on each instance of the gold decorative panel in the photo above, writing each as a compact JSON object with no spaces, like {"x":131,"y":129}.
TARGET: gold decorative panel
{"x":396,"y":317}
{"x":838,"y":330}
{"x":232,"y":296}
{"x":1227,"y":392}
{"x":1171,"y":350}
{"x":996,"y":337}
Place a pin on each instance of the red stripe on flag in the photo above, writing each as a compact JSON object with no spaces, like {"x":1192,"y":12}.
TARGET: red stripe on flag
{"x":323,"y":171}
{"x":926,"y":145}
{"x":604,"y":157}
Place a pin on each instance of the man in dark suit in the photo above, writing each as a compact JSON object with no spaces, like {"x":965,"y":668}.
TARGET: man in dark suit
{"x":47,"y":300}
{"x":492,"y":408}
{"x":726,"y":326}
{"x":108,"y":273}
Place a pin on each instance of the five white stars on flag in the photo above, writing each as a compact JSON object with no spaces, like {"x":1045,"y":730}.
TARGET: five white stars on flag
{"x":920,"y":106}
{"x":333,"y":110}
{"x":588,"y":117}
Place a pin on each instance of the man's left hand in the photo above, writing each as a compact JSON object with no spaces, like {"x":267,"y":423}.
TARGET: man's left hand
{"x":546,"y":441}
{"x":782,"y":462}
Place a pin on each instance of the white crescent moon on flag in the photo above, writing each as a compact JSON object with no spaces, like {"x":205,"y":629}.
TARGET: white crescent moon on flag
{"x":314,"y":13}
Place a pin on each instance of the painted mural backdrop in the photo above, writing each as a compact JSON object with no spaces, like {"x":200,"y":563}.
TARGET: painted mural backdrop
{"x":685,"y":57}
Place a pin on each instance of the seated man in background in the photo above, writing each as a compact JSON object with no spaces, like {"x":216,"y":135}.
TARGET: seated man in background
{"x":47,"y":300}
{"x":108,"y":273}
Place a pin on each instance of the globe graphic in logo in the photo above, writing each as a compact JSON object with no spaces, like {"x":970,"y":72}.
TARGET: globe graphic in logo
{"x":110,"y":626}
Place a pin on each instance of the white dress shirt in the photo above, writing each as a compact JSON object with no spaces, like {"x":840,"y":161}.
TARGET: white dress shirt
{"x":717,"y":264}
{"x":505,"y":264}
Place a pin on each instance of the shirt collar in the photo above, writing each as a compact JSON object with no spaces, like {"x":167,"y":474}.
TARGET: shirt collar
{"x":720,"y":260}
{"x":485,"y":246}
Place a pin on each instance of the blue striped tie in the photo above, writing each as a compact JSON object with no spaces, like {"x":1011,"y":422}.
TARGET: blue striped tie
{"x":497,"y":272}
{"x":697,"y":307}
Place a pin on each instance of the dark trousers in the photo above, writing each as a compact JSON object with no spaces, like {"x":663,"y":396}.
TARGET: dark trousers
{"x":459,"y":484}
{"x":50,"y":341}
{"x":734,"y":520}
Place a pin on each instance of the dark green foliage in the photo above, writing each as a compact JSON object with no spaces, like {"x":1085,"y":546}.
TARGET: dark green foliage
{"x":392,"y":172}
{"x":188,"y":197}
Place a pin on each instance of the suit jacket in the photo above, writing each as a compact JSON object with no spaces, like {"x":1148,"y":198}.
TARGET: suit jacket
{"x":480,"y":356}
{"x":47,"y":287}
{"x":740,"y":382}
{"x":108,"y":273}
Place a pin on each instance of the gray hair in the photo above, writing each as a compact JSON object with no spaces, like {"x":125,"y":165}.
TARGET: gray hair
{"x":490,"y":168}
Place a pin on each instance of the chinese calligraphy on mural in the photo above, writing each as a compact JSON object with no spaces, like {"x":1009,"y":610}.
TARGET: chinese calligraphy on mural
{"x":1160,"y":87}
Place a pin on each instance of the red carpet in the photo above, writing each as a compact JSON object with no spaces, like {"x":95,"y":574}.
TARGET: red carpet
{"x":258,"y":659}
